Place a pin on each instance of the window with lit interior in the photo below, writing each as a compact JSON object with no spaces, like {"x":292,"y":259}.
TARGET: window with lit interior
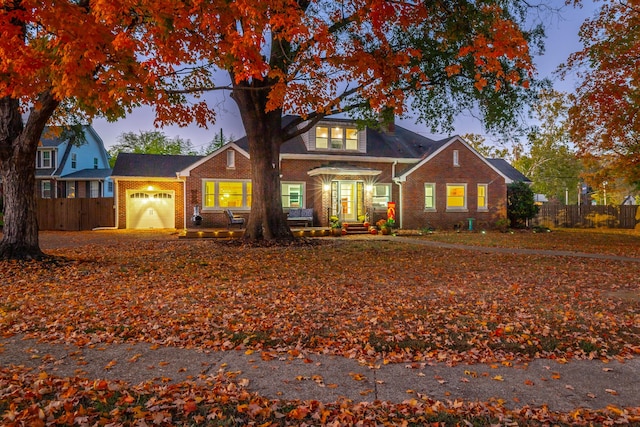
{"x":482,"y":197}
{"x":337,"y":138}
{"x":457,"y":196}
{"x":227,"y":194}
{"x":429,"y":196}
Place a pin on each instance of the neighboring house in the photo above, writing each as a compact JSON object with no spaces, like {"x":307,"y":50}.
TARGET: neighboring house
{"x":334,"y":168}
{"x":68,"y":170}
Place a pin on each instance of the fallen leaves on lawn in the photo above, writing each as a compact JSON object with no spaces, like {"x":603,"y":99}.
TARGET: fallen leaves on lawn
{"x":429,"y":305}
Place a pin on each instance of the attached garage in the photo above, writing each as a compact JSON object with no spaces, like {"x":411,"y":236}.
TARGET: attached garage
{"x":150,"y":209}
{"x":148,"y":191}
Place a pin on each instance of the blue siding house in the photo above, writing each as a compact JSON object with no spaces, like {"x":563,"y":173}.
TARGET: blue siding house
{"x":65,"y":169}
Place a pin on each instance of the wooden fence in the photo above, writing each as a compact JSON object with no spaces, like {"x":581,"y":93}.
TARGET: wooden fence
{"x":76,"y":214}
{"x":587,"y":216}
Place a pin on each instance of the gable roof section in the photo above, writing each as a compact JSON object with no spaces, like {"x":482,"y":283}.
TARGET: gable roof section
{"x":202,"y":159}
{"x":402,"y":176}
{"x":133,"y":165}
{"x":512,"y":174}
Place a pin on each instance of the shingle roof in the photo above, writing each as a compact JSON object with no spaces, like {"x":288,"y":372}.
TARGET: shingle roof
{"x":508,"y":170}
{"x":402,"y":143}
{"x":88,"y":174}
{"x":151,"y":165}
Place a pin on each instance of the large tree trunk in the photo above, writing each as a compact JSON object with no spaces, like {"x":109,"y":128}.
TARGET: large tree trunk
{"x":267,"y":221}
{"x":18,"y":147}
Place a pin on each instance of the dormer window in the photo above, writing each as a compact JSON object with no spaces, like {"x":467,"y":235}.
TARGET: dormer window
{"x":336,"y":138}
{"x":351,"y":140}
{"x":46,"y":159}
{"x":322,"y":137}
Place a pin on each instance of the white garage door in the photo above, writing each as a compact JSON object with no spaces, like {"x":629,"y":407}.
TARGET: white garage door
{"x":151,"y":209}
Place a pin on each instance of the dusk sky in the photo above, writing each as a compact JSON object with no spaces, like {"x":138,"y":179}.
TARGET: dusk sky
{"x":562,"y":40}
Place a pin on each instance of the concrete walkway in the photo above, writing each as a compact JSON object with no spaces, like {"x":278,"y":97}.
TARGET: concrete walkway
{"x":564,"y":387}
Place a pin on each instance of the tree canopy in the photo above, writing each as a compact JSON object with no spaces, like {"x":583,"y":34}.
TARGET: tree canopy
{"x":80,"y":58}
{"x":368,"y":58}
{"x":550,"y":159}
{"x":605,"y":116}
{"x":67,"y":61}
{"x":150,"y":142}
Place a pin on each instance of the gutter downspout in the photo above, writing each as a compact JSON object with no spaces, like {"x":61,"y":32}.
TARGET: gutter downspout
{"x":115,"y":199}
{"x":184,"y":201}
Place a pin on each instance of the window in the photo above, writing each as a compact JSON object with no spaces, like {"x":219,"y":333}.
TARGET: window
{"x":71,"y":190}
{"x":95,"y":163}
{"x":139,"y":196}
{"x":336,"y":138}
{"x":74,"y":160}
{"x":456,"y":158}
{"x":110,"y":187}
{"x":292,"y":195}
{"x":482,"y":197}
{"x":456,"y":196}
{"x":322,"y":137}
{"x":352,"y":139}
{"x":45,"y":187}
{"x":430,"y":196}
{"x":227,"y":194}
{"x":231,"y":159}
{"x":94,"y":189}
{"x":46,"y":159}
{"x":381,"y":195}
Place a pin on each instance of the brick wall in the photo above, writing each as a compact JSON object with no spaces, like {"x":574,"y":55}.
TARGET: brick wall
{"x":440,"y":170}
{"x":320,"y":199}
{"x":175,"y":186}
{"x":214,"y":168}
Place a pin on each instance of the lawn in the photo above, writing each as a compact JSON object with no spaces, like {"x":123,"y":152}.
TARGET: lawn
{"x":594,"y":240}
{"x":377,"y":301}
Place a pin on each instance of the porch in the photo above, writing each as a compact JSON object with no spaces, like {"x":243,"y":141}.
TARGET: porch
{"x":223,"y":233}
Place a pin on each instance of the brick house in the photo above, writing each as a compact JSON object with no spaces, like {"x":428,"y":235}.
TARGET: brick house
{"x":334,"y":168}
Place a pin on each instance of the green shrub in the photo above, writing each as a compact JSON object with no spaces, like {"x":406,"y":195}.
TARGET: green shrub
{"x":521,"y":206}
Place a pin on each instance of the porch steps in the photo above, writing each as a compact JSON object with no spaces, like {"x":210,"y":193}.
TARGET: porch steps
{"x":357,"y":228}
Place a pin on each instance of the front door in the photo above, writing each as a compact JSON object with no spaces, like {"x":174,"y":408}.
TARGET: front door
{"x":346,"y":199}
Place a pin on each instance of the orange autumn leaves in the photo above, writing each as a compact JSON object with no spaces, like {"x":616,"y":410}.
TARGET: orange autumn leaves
{"x":128,"y":53}
{"x":378,"y":301}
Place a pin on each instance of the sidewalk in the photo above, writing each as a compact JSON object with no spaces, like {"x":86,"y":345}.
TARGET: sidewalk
{"x":561,"y":386}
